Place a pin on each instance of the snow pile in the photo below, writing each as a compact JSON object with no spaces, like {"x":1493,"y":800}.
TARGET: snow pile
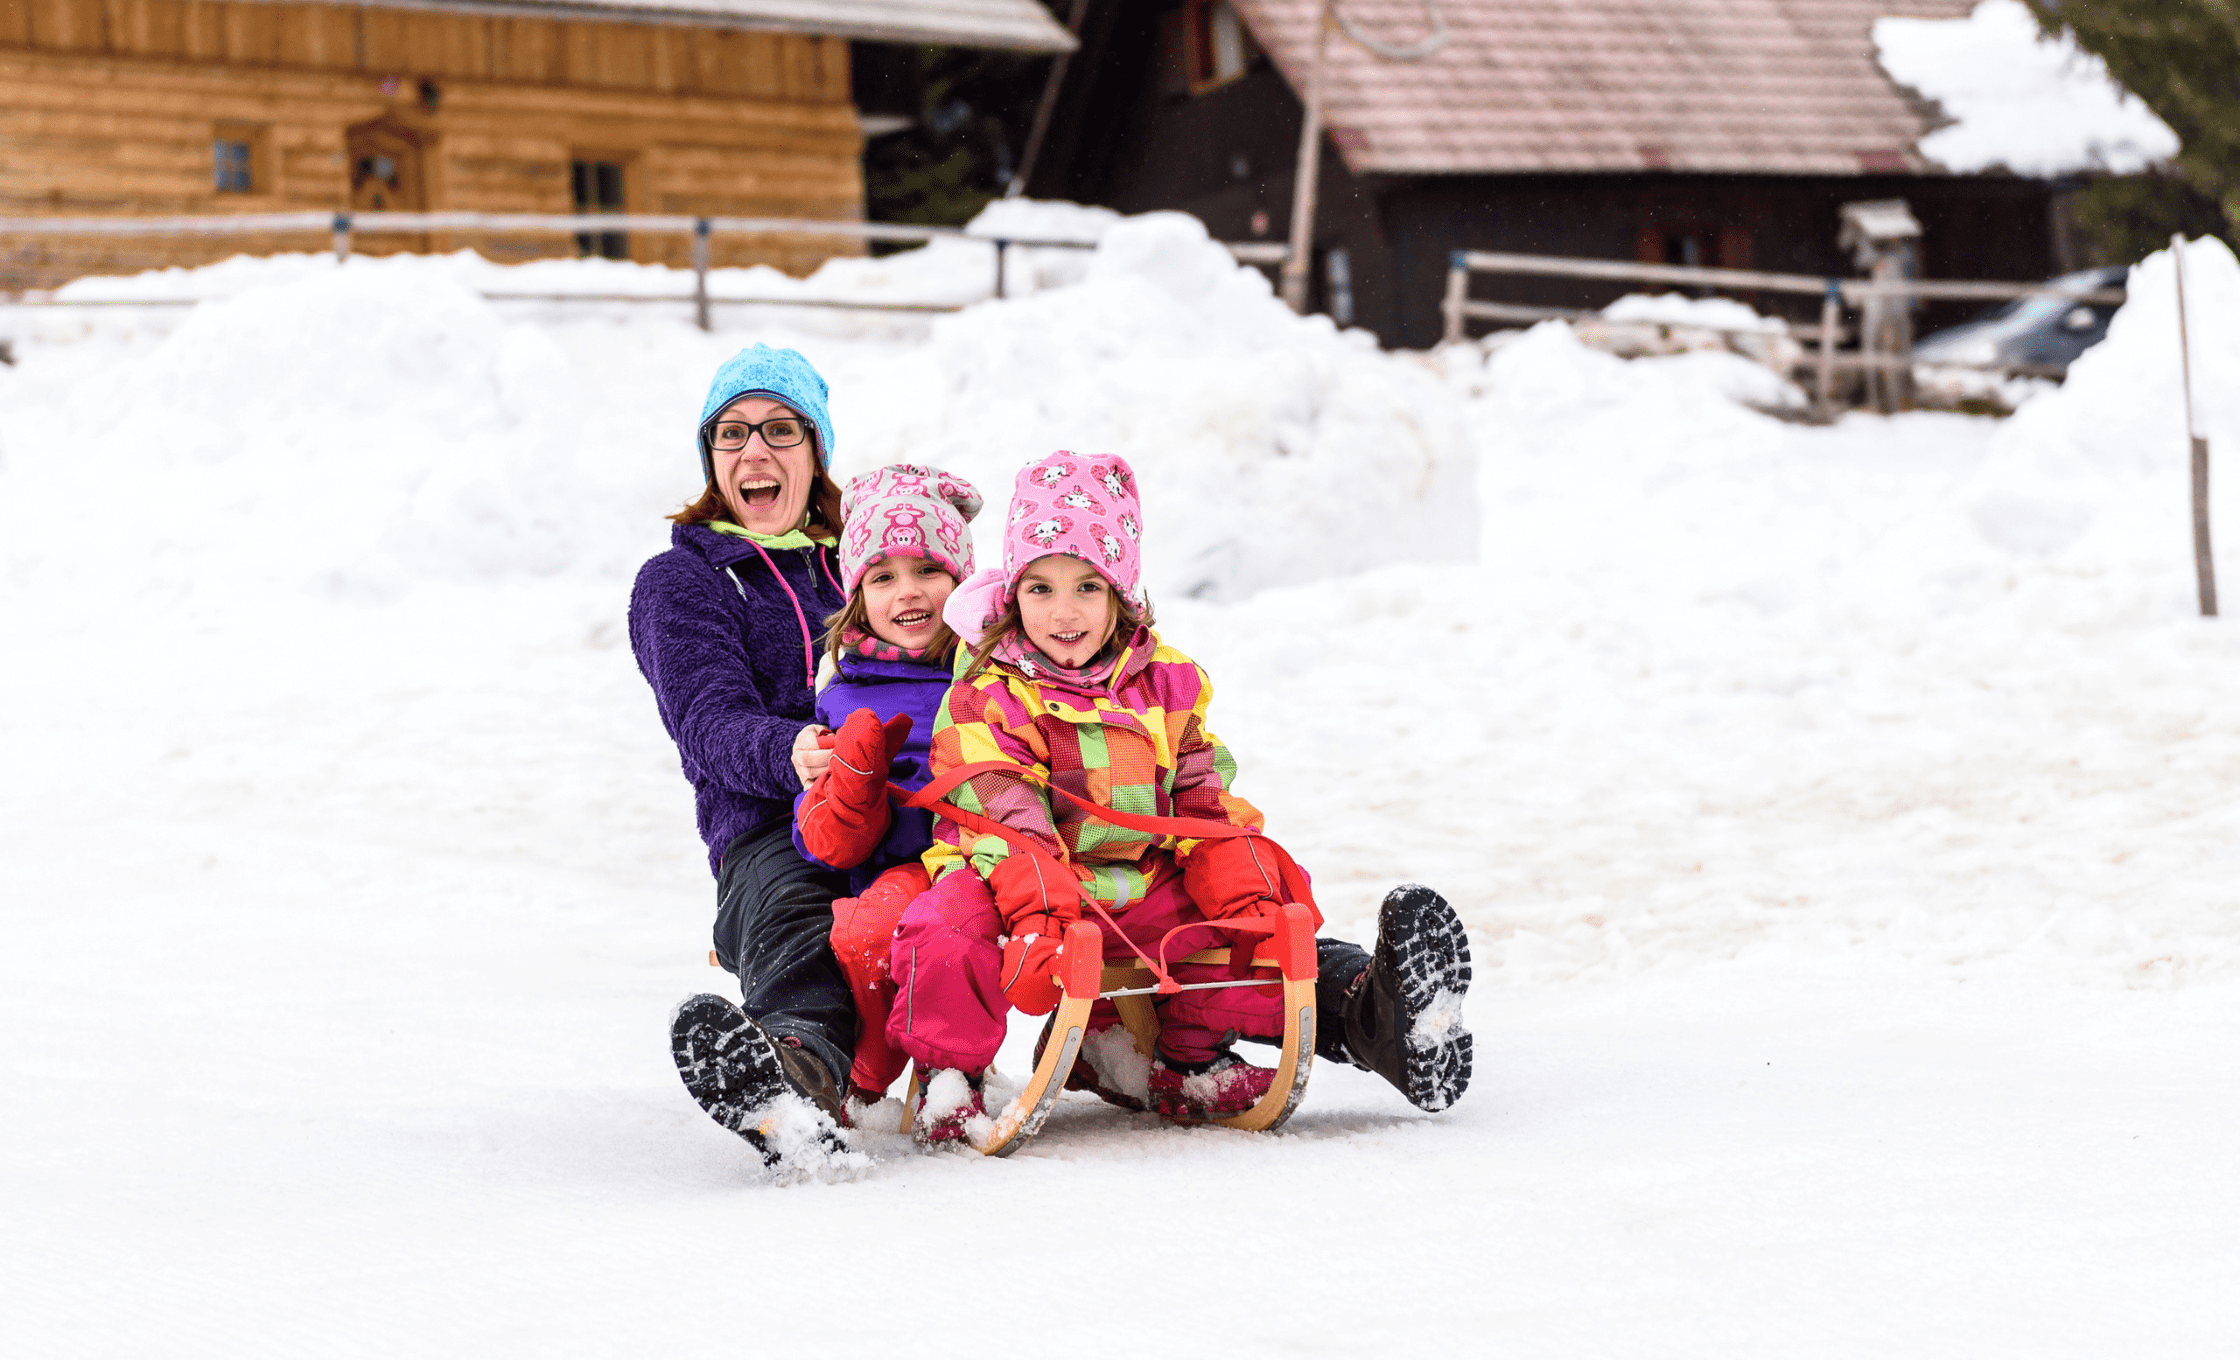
{"x":2095,"y":476}
{"x":2034,"y":105}
{"x":1703,"y":313}
{"x":1269,"y":447}
{"x":382,"y":423}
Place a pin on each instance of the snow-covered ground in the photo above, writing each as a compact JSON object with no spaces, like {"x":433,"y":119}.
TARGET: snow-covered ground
{"x":2018,"y":99}
{"x":1845,"y":818}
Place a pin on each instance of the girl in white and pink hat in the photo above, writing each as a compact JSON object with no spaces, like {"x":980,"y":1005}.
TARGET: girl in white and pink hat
{"x":904,"y":545}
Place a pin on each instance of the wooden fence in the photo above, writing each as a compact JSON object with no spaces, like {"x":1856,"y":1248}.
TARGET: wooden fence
{"x":342,"y":229}
{"x":1834,"y":294}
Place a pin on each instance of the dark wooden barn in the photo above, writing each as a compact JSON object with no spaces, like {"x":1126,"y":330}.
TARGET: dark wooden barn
{"x":1717,"y":132}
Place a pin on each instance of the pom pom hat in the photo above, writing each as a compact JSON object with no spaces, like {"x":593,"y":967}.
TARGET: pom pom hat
{"x":906,"y":510}
{"x":1081,"y":506}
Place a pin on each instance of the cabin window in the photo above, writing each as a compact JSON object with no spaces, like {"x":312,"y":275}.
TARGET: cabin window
{"x":1219,"y":49}
{"x":233,"y":160}
{"x":598,"y":186}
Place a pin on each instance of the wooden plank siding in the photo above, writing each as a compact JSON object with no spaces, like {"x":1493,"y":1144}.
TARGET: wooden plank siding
{"x":111,"y":107}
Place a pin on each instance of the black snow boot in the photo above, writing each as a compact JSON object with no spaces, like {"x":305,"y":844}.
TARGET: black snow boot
{"x":737,"y":1070}
{"x":1401,"y":1017}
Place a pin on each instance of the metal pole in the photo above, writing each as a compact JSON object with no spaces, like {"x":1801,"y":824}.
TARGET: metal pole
{"x":1831,"y":312}
{"x":342,"y":238}
{"x":1458,"y":289}
{"x":700,"y":272}
{"x":1296,"y":265}
{"x":2204,"y":564}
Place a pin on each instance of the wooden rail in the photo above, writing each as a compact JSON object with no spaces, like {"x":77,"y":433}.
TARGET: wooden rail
{"x":343,"y":228}
{"x":1457,"y":308}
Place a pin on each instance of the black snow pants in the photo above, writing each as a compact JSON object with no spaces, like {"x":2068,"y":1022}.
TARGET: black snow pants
{"x":774,"y":929}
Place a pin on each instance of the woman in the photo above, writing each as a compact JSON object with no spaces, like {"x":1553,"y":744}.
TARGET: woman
{"x":726,"y":626}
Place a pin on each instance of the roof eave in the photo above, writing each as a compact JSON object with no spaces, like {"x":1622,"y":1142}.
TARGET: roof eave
{"x":1047,"y":37}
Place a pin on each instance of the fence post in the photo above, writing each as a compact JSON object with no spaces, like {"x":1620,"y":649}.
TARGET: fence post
{"x":1001,"y":246}
{"x":700,"y":271}
{"x":1458,"y":289}
{"x":2204,"y":565}
{"x":342,"y":238}
{"x":1831,"y":312}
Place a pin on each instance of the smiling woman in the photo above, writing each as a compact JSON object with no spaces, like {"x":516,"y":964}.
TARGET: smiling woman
{"x":722,"y":628}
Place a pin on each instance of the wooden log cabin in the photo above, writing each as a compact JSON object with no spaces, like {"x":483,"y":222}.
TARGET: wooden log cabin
{"x":706,"y":107}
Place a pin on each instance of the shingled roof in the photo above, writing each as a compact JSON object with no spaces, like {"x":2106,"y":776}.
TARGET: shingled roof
{"x":1022,"y":25}
{"x":1770,"y":86}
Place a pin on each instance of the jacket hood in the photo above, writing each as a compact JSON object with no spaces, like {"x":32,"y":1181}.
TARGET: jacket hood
{"x":762,"y":371}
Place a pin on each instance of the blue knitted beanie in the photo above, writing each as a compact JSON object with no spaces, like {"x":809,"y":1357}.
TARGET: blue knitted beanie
{"x":765,"y":372}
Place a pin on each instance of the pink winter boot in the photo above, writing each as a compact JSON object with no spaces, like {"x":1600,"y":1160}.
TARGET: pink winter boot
{"x":951,"y":1101}
{"x":1227,"y":1086}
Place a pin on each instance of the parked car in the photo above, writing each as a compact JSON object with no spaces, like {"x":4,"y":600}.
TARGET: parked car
{"x":2041,"y":333}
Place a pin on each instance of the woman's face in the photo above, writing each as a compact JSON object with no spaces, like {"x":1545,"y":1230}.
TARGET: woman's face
{"x":767,"y":488}
{"x":903,"y":597}
{"x":1067,"y":609}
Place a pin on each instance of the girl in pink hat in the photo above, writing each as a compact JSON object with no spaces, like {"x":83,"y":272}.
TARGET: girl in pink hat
{"x":904,"y":545}
{"x":1068,"y":684}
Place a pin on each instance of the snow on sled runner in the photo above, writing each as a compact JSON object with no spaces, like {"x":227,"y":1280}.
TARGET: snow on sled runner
{"x":1281,"y":939}
{"x":1285,"y":942}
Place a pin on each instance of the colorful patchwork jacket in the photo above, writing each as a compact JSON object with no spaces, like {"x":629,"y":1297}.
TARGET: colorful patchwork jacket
{"x":1138,"y":744}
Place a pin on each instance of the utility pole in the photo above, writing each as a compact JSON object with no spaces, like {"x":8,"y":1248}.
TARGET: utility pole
{"x":1298,"y":264}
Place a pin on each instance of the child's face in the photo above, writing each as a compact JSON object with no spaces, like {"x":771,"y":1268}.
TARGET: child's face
{"x":903,"y":597}
{"x":1067,"y":609}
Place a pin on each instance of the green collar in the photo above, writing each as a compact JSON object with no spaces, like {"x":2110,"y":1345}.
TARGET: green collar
{"x":793,"y":538}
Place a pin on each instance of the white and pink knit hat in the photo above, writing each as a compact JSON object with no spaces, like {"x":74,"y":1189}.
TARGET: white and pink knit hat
{"x":906,"y":510}
{"x":1084,"y":507}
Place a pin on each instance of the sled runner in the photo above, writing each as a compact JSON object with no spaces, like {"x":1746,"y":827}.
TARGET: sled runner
{"x":1281,"y":939}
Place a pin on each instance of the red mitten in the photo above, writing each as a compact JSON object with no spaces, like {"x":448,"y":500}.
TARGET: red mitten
{"x":1235,"y":877}
{"x":845,"y":814}
{"x":1031,"y":885}
{"x":1030,"y":965}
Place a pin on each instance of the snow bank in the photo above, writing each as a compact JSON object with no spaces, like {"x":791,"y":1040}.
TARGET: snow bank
{"x":2094,"y":477}
{"x":2034,"y":105}
{"x":382,"y":423}
{"x":1270,"y":448}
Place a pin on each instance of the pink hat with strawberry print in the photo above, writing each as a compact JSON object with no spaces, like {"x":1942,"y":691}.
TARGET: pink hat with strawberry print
{"x":1082,"y":506}
{"x":906,"y":510}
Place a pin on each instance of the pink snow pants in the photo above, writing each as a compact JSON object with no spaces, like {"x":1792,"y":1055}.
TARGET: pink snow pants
{"x":950,"y":1010}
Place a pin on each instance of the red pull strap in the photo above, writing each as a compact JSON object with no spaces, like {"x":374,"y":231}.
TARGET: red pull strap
{"x":1196,"y":828}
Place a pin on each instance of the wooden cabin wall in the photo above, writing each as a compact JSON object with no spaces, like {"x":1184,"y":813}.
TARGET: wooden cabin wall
{"x":110,"y":107}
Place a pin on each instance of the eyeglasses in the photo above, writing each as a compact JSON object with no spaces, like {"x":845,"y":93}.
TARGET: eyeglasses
{"x":778,"y":432}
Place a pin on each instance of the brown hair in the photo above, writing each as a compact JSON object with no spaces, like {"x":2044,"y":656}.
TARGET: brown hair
{"x":855,"y":615}
{"x":1127,"y":618}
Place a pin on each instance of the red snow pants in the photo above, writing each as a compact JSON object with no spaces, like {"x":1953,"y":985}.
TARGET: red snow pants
{"x":863,"y":940}
{"x":949,"y":1009}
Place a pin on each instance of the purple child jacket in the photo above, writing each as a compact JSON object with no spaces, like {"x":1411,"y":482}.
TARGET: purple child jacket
{"x":717,"y":635}
{"x":888,"y":688}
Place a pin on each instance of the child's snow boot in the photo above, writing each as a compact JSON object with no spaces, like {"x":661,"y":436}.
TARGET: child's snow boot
{"x":740,"y":1074}
{"x":1108,"y":1066}
{"x":1198,"y":1092}
{"x":951,"y":1100}
{"x":1401,"y":1017}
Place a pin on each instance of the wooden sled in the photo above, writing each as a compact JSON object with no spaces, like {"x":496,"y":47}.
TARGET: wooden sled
{"x":1285,"y":943}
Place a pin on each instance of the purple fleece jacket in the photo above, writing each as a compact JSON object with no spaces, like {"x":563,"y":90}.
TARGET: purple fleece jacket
{"x":717,"y":637}
{"x":887,"y":688}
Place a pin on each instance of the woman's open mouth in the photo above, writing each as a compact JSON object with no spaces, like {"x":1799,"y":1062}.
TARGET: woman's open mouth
{"x":759,"y":492}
